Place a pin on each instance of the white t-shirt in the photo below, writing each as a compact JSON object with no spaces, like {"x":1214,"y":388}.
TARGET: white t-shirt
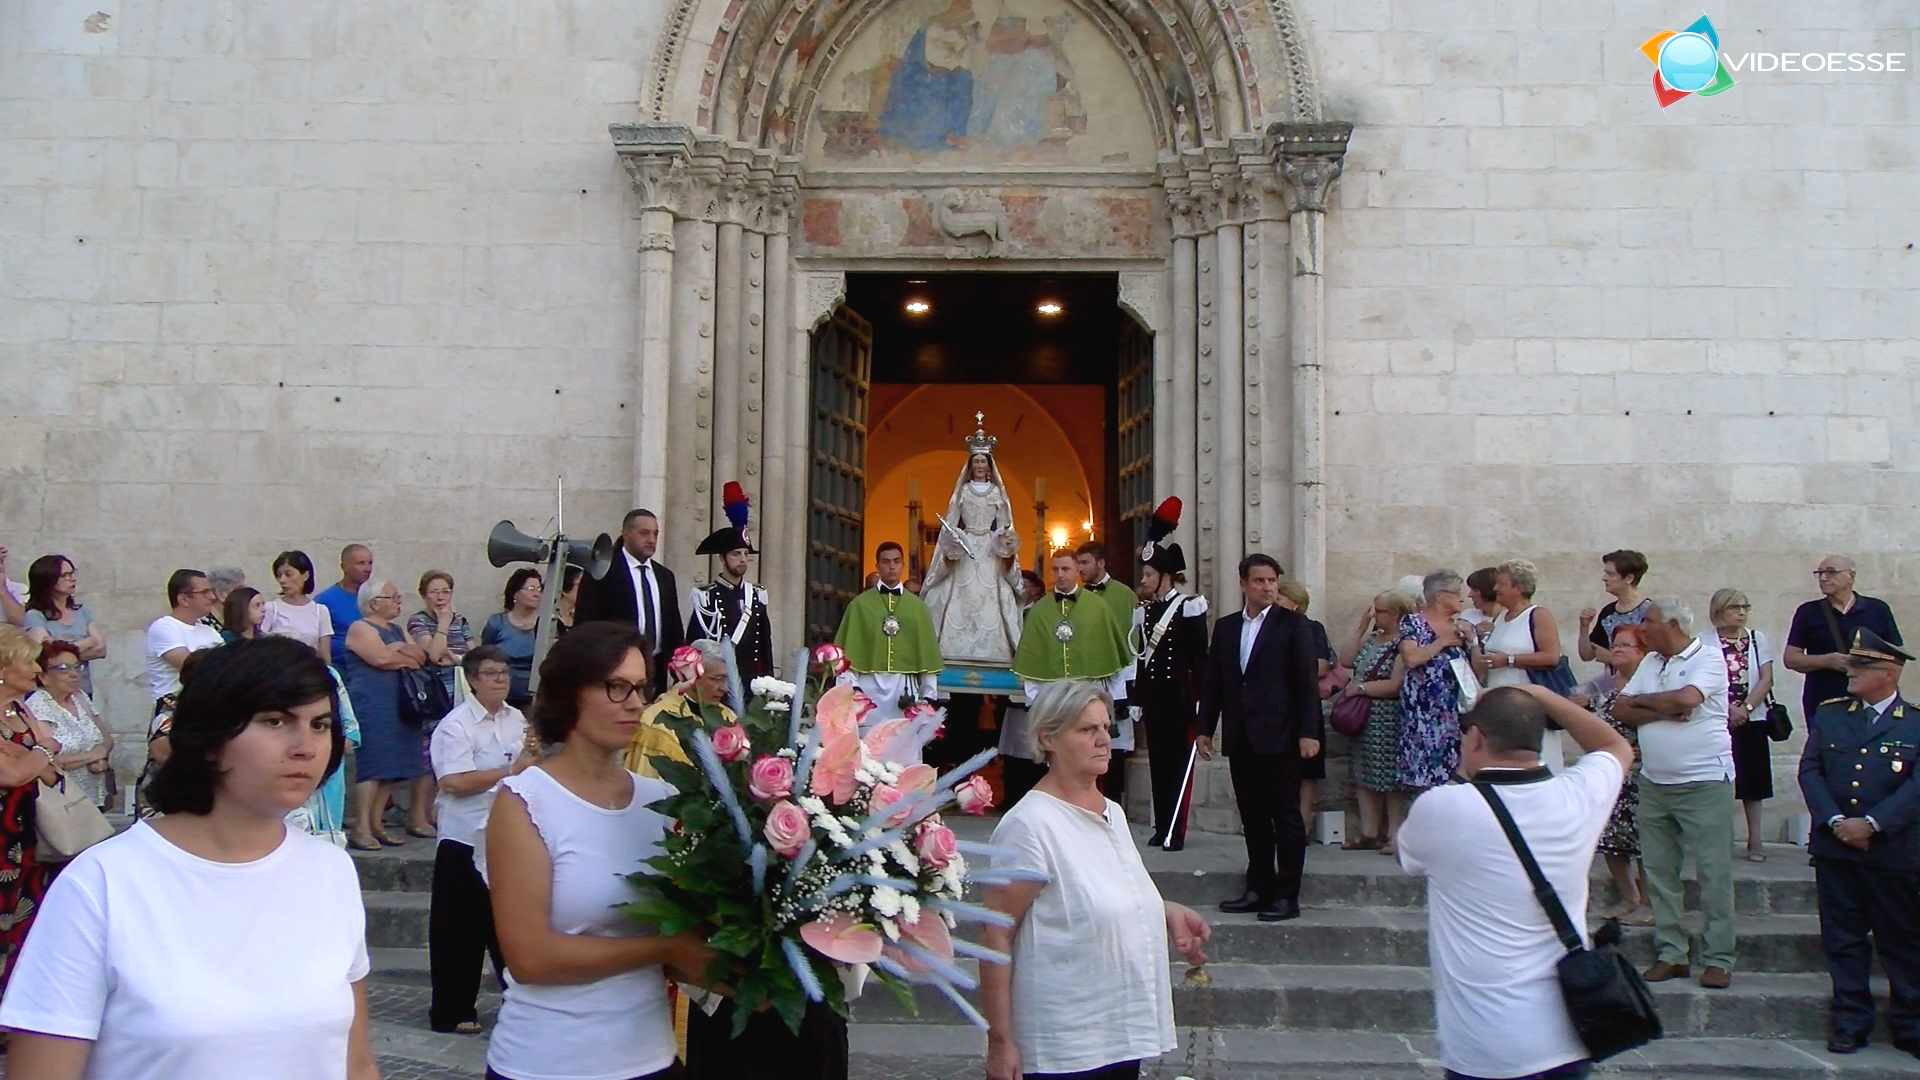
{"x":1091,"y":985}
{"x":176,"y":966}
{"x":1700,"y":748}
{"x":311,"y":624}
{"x":1515,"y":638}
{"x":1493,"y":951}
{"x":619,"y":1027}
{"x":469,"y":739}
{"x":164,"y":635}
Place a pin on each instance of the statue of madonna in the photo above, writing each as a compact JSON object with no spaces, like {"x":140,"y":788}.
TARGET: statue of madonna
{"x":973,"y":587}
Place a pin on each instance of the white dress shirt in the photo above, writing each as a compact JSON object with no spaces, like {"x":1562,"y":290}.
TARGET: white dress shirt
{"x":1250,"y":632}
{"x":1880,"y":707}
{"x":649,"y":621}
{"x":470,"y":739}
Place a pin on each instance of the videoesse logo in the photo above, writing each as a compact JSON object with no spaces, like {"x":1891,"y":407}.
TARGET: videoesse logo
{"x":1689,"y":62}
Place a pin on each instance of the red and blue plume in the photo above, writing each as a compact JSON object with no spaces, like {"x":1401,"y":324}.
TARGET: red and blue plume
{"x":733,"y":498}
{"x":1166,"y":518}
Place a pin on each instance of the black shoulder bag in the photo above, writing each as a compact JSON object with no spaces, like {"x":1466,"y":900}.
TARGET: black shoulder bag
{"x":1611,"y":1008}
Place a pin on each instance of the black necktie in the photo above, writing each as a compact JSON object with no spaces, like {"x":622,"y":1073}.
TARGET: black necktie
{"x":646,"y":600}
{"x":893,"y":590}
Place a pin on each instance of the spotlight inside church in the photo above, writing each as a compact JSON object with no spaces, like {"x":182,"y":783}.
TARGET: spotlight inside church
{"x":1048,"y":307}
{"x":917,"y":307}
{"x":1059,"y":537}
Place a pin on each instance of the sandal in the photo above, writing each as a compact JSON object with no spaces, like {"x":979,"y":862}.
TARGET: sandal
{"x":390,"y":840}
{"x":1389,"y":850}
{"x":1755,"y":856}
{"x":424,"y":833}
{"x":364,"y":843}
{"x":468,"y":1027}
{"x":1361,"y":843}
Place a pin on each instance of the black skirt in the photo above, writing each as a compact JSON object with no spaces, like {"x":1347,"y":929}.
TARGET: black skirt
{"x":1752,"y":761}
{"x":766,"y":1050}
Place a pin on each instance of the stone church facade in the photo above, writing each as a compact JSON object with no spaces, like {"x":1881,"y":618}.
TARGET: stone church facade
{"x":1429,"y":282}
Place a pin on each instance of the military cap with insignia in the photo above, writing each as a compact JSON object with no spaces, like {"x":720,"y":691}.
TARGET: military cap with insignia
{"x":1869,"y":647}
{"x":1166,"y":558}
{"x":733,"y":499}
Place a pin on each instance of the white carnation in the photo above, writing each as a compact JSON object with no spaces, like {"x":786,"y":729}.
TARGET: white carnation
{"x":909,"y":910}
{"x":887,"y":901}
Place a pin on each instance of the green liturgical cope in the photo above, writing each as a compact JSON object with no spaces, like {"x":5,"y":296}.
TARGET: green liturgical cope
{"x":1078,"y":638}
{"x":911,"y":649}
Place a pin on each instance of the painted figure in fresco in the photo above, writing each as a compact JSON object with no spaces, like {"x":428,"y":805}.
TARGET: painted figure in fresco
{"x":973,"y":588}
{"x":1013,"y":105}
{"x":930,"y":97}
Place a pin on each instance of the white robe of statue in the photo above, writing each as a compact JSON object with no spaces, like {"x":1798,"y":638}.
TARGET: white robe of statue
{"x":975,"y":598}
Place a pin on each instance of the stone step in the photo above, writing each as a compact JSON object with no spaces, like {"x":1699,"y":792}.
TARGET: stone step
{"x":1385,"y":937}
{"x":951,"y":1052}
{"x":1399,"y":1000}
{"x":1343,"y":937}
{"x":396,"y":919}
{"x":407,"y":868}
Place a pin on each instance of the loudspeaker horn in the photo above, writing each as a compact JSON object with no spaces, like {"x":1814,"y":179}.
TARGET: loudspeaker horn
{"x":506,"y":544}
{"x":595,"y":558}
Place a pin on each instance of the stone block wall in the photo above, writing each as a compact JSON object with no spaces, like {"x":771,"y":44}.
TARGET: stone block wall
{"x":296,"y":275}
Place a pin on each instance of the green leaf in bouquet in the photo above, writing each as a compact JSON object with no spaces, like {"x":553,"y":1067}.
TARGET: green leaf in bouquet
{"x":684,"y":777}
{"x":902,"y":991}
{"x":743,"y":939}
{"x":791,"y":1003}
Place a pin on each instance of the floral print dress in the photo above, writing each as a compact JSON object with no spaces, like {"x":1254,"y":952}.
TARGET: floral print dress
{"x":1622,"y":836}
{"x":1429,"y":713}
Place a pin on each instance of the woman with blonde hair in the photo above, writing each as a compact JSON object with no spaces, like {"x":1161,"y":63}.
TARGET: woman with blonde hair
{"x":1376,"y":675}
{"x":1524,"y":639}
{"x":1749,"y":659}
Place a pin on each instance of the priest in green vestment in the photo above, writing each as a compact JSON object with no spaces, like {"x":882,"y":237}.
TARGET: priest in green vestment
{"x":1071,"y":633}
{"x":889,"y":640}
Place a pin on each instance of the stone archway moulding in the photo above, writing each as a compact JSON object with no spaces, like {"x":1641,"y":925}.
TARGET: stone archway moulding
{"x":742,"y":254}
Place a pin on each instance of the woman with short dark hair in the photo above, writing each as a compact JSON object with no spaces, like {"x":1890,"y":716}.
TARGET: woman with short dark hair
{"x":515,"y":628}
{"x":586,"y":984}
{"x":54,"y":614}
{"x":182,"y":946}
{"x":85,"y":745}
{"x":294,"y":613}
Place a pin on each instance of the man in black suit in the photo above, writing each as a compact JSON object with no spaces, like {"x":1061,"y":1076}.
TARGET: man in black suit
{"x":638,"y":592}
{"x":1260,"y":679}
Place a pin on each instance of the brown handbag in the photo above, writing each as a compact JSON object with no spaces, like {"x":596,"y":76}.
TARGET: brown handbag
{"x":1349,"y":715}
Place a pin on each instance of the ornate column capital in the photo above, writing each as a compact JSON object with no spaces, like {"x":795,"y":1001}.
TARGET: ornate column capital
{"x":655,"y":157}
{"x":1308,"y":157}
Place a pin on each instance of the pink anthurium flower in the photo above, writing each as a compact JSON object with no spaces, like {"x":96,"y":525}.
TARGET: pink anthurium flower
{"x":840,"y":938}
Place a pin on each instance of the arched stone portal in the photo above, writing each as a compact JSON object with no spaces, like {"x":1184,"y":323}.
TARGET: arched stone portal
{"x":1176,"y":142}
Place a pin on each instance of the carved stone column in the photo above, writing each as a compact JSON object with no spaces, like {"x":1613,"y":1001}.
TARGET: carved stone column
{"x":689,"y":415}
{"x":1308,"y":157}
{"x":1180,"y":472}
{"x":655,"y":157}
{"x":1230,"y":375}
{"x":728,"y":336}
{"x":779,"y":508}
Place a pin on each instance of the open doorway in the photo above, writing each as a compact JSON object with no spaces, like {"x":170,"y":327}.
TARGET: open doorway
{"x":1060,"y":374}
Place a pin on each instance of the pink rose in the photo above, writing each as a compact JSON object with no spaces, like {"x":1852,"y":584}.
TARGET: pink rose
{"x":770,"y":778}
{"x":731,"y":743}
{"x":975,"y":795}
{"x":936,"y":846}
{"x":787,"y":830}
{"x":831,"y":659}
{"x":685,"y":665}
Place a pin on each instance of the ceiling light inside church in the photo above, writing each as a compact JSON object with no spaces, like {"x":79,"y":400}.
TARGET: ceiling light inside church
{"x":1048,"y":307}
{"x":916,"y":307}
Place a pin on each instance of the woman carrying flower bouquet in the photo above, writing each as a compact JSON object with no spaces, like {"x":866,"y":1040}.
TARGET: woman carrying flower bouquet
{"x":1088,"y":993}
{"x":586,"y":984}
{"x":698,"y":676}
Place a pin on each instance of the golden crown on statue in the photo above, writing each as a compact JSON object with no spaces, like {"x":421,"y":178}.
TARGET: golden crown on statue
{"x":980,"y":442}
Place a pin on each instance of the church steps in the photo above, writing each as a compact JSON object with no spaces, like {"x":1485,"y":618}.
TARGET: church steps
{"x":1399,"y":1000}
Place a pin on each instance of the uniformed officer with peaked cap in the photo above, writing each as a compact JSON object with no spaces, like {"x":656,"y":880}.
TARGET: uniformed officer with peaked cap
{"x":1857,"y":773}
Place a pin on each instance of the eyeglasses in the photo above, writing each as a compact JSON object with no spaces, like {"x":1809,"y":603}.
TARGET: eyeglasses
{"x":1825,"y":572}
{"x":69,"y":576}
{"x":619,"y":690}
{"x":394,"y":599}
{"x":1738,"y":607}
{"x":60,"y":668}
{"x":492,"y":673}
{"x":200,"y":592}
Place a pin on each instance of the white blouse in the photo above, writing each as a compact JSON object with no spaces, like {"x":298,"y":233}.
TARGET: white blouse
{"x":1091,"y":984}
{"x":76,"y":733}
{"x":311,"y":624}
